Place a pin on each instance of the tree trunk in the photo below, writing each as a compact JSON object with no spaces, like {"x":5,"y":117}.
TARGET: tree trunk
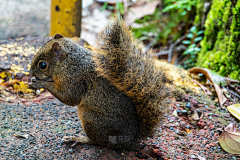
{"x":220,"y":46}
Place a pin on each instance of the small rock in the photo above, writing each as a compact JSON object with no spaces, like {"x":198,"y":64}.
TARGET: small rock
{"x":184,"y":112}
{"x":155,"y":151}
{"x":211,"y":144}
{"x":201,"y":132}
{"x":183,"y":124}
{"x":182,"y":133}
{"x":200,"y":105}
{"x":211,"y":127}
{"x":188,"y":105}
{"x":193,"y":157}
{"x":194,"y":102}
{"x":159,"y":154}
{"x":157,"y":146}
{"x":212,"y":106}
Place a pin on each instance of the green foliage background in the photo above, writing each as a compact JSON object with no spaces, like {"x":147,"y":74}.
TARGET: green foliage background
{"x":220,"y":49}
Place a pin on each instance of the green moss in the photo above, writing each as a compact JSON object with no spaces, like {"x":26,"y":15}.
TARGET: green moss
{"x":220,"y":46}
{"x":199,"y":12}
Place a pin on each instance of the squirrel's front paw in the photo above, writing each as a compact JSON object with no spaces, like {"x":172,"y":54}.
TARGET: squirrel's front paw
{"x":80,"y":139}
{"x":33,"y":84}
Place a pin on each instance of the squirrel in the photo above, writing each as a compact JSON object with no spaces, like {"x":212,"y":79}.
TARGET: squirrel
{"x":120,"y":94}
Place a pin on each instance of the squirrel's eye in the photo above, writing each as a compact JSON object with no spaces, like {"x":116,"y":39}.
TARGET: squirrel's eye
{"x":42,"y":65}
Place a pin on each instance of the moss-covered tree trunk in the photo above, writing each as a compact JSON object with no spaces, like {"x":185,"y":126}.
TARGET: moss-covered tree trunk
{"x":221,"y":44}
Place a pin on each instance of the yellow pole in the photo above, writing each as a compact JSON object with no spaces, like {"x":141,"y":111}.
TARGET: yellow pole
{"x":66,"y":17}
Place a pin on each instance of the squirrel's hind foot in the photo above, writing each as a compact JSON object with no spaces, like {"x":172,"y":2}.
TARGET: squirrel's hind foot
{"x":77,"y":139}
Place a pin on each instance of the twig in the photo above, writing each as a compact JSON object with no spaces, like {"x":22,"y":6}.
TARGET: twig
{"x":148,"y":46}
{"x":169,"y":52}
{"x":234,"y":93}
{"x":160,"y":53}
{"x":173,"y":45}
{"x":182,"y":47}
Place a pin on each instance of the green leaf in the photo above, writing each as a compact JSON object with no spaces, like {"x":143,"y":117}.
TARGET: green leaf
{"x":183,"y":13}
{"x":104,"y":6}
{"x":197,"y":49}
{"x":186,"y":42}
{"x":197,"y":39}
{"x":193,"y":29}
{"x":193,"y":56}
{"x":189,"y":35}
{"x":143,"y":38}
{"x":118,"y":5}
{"x":200,"y":32}
{"x":168,"y":8}
{"x":189,"y":8}
{"x":166,"y":33}
{"x":191,"y":50}
{"x":185,"y":52}
{"x":192,"y":45}
{"x":111,"y":7}
{"x":121,"y":8}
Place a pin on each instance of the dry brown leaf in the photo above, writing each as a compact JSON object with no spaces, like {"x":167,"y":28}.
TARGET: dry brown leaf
{"x":9,"y":83}
{"x":205,"y":89}
{"x":195,"y":116}
{"x":140,"y":9}
{"x":216,"y":79}
{"x":230,"y":139}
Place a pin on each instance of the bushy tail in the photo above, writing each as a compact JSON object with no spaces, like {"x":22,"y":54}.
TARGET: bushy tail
{"x":122,"y":62}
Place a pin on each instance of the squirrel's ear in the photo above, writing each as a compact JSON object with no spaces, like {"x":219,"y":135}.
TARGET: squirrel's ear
{"x":57,"y":36}
{"x":56,"y":48}
{"x":58,"y":51}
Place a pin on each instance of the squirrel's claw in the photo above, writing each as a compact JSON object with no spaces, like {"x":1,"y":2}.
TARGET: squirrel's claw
{"x":75,"y":139}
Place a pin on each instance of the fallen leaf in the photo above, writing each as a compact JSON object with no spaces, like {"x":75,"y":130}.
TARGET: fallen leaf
{"x":188,"y":131}
{"x":230,"y":139}
{"x":3,"y":74}
{"x":1,"y":80}
{"x":234,"y":110}
{"x":22,"y":86}
{"x":205,"y":89}
{"x":9,"y":83}
{"x":195,"y":116}
{"x":175,"y":113}
{"x":201,"y":158}
{"x":140,"y":9}
{"x":216,"y":79}
{"x":21,"y":135}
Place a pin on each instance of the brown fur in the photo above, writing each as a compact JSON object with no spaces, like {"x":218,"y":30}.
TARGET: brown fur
{"x":120,"y":94}
{"x":128,"y":68}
